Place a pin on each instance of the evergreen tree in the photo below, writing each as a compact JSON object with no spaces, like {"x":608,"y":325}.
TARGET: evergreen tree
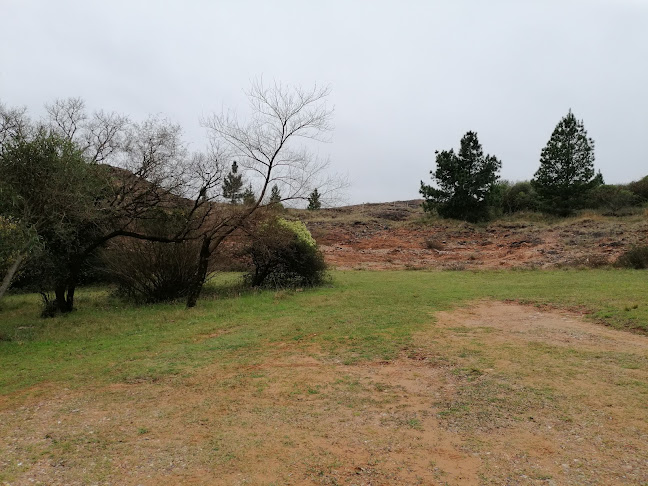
{"x":233,"y":184}
{"x":275,"y":195}
{"x":465,"y":182}
{"x":566,"y":172}
{"x":314,"y":202}
{"x":249,"y":198}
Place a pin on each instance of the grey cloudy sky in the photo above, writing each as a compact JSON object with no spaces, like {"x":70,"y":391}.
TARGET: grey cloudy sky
{"x":407,"y":77}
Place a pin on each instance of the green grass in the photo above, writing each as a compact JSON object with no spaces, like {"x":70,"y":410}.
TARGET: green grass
{"x":361,"y":316}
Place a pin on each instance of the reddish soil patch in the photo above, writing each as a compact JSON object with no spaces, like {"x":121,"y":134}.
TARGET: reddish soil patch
{"x":367,"y":237}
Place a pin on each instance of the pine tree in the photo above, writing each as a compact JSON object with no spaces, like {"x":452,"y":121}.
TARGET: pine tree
{"x":314,"y":202}
{"x":249,"y":198}
{"x":465,"y":180}
{"x":566,"y":172}
{"x":275,"y":195}
{"x":233,"y":184}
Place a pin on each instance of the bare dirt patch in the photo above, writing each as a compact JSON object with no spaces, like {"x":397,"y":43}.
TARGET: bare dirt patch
{"x":492,"y":394}
{"x":547,"y":396}
{"x":368,"y":237}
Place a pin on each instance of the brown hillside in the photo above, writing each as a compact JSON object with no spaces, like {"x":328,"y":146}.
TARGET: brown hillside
{"x":399,"y":235}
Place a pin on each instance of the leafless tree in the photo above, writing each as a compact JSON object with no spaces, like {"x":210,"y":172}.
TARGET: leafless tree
{"x":14,"y":124}
{"x":149,"y":169}
{"x":270,"y":148}
{"x":146,"y":168}
{"x":100,"y":135}
{"x":152,"y":156}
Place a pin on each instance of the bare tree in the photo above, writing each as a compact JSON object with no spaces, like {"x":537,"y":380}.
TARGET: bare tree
{"x":129,"y":174}
{"x":100,"y":135}
{"x":270,"y":148}
{"x":149,"y":171}
{"x":14,"y":124}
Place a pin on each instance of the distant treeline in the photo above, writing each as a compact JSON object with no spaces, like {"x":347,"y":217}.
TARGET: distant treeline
{"x":512,"y":197}
{"x":467,"y":186}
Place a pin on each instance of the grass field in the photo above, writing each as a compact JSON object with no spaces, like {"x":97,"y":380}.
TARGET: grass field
{"x":306,"y":362}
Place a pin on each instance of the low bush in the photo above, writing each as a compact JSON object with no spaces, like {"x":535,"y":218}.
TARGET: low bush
{"x":589,"y":261}
{"x":285,"y":255}
{"x":434,"y":244}
{"x":520,"y":196}
{"x":148,"y":272}
{"x":636,"y":257}
{"x":640,"y":188}
{"x":610,"y":197}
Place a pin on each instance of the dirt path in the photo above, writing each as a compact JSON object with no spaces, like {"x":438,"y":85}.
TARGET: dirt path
{"x":550,"y":398}
{"x":491,"y":394}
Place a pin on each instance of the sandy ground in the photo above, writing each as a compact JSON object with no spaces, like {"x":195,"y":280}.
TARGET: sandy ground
{"x":495,"y":393}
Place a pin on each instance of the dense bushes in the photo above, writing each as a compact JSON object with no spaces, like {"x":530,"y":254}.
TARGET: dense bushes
{"x":148,"y":272}
{"x":284,"y":254}
{"x":640,"y":189}
{"x":513,"y":197}
{"x":610,"y":197}
{"x":518,"y":196}
{"x":636,"y":257}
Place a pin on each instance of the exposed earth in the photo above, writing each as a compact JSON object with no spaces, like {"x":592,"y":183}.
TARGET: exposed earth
{"x":398,"y":235}
{"x":298,"y":418}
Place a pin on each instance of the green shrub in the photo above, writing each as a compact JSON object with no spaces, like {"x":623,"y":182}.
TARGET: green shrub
{"x":149,"y":272}
{"x":285,"y":255}
{"x":636,"y":257}
{"x":640,"y":188}
{"x":520,"y":196}
{"x":610,"y":197}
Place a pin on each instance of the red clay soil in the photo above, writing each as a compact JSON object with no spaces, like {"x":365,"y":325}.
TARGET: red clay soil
{"x":382,"y":244}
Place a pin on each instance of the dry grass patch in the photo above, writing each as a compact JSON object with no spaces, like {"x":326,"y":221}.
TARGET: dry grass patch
{"x":493,"y":393}
{"x":545,"y":396}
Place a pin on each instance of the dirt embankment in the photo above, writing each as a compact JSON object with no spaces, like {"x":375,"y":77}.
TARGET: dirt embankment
{"x":397,"y":236}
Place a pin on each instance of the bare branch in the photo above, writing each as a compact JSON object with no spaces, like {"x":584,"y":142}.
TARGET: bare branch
{"x":267,"y":146}
{"x":14,"y":124}
{"x":66,"y":116}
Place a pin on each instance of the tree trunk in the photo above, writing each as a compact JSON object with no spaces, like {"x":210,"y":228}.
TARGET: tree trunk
{"x":64,"y":298}
{"x":6,"y":281}
{"x":69,"y":298}
{"x":64,"y":291}
{"x":61,"y":303}
{"x":75,"y":269}
{"x":201,"y":274}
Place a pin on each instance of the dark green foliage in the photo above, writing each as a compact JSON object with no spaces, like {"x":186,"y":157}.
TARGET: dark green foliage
{"x":148,"y":272}
{"x":610,"y":197}
{"x":232,"y":185}
{"x":520,"y":196}
{"x":17,"y":242}
{"x":314,"y":202}
{"x":465,"y":182}
{"x":49,"y":187}
{"x":285,"y":255}
{"x":640,"y":189}
{"x":249,"y":198}
{"x":566,"y":172}
{"x":636,"y":257}
{"x":275,"y":195}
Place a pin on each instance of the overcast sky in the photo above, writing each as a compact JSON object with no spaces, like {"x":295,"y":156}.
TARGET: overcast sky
{"x":407,"y":77}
